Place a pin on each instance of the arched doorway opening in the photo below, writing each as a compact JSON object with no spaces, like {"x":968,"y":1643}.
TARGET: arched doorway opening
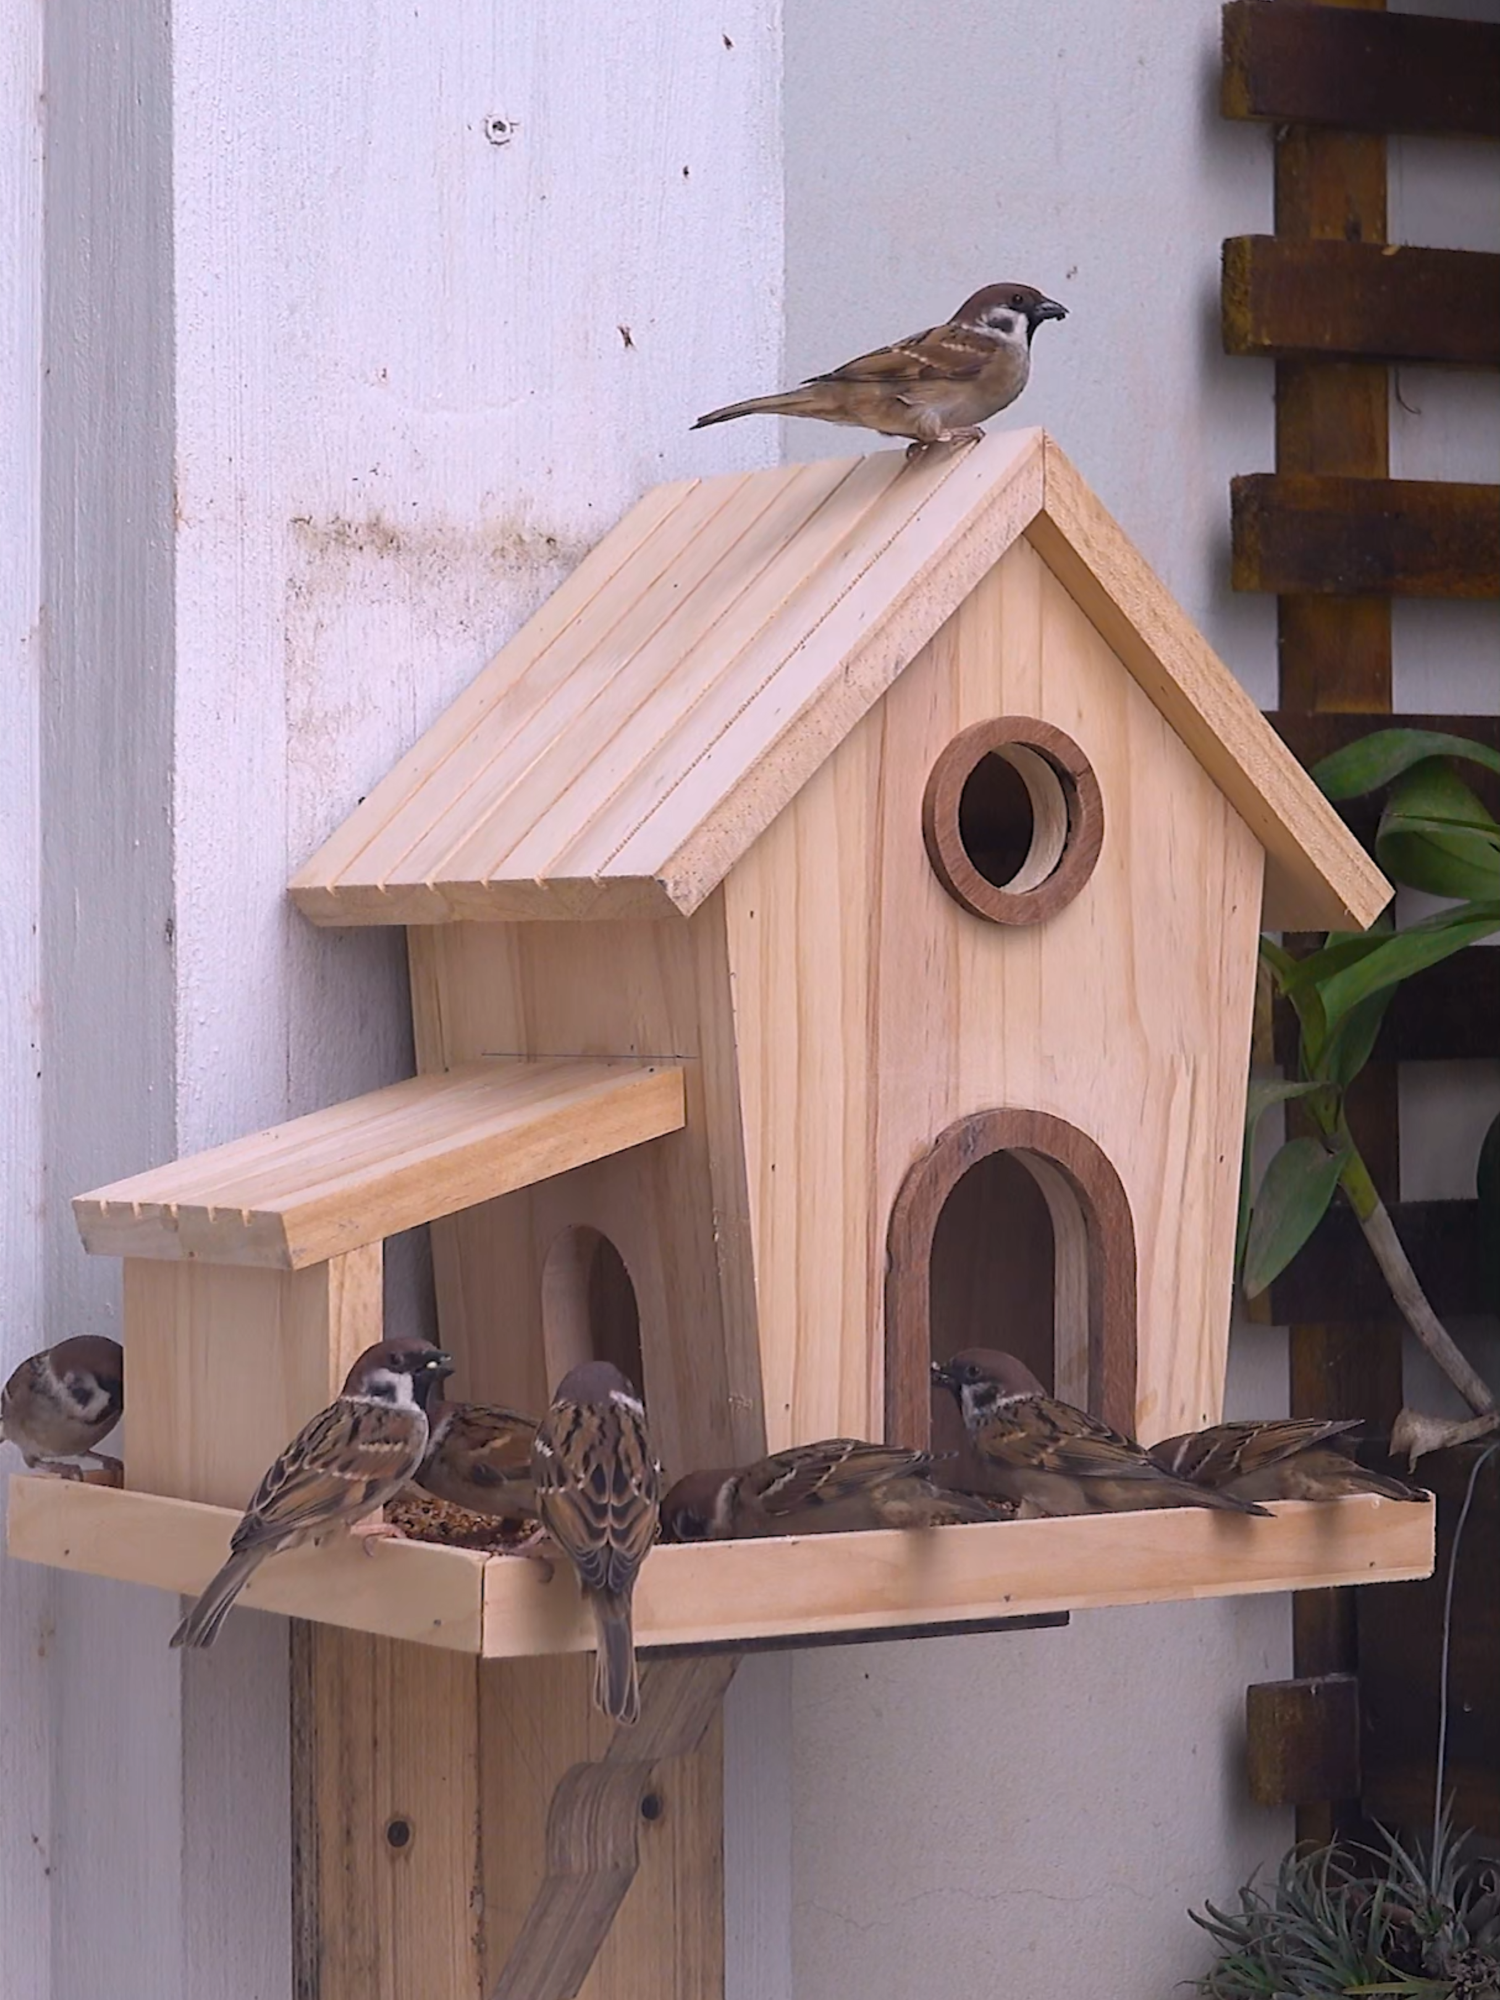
{"x":1012,"y":1231}
{"x":589,"y":1310}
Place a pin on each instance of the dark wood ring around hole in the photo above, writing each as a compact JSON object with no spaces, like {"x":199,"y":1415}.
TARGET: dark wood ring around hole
{"x":945,"y":848}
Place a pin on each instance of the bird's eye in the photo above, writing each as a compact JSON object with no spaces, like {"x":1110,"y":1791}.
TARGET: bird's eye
{"x":1017,"y":299}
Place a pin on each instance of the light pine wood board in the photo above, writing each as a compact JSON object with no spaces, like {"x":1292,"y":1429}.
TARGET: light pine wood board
{"x":226,"y":1363}
{"x":621,"y":754}
{"x":871,"y":1011}
{"x":537,"y":1722}
{"x":366,"y":1169}
{"x":1317,"y":876}
{"x":677,"y":1212}
{"x":730,"y":1592}
{"x":373,"y":1919}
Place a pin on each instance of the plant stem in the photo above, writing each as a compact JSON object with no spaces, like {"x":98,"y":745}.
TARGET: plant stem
{"x":1411,"y":1300}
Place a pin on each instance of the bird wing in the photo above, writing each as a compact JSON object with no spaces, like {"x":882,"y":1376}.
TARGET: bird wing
{"x":818,"y":1475}
{"x":1226,"y":1452}
{"x":948,"y":353}
{"x":598,"y":1490}
{"x":1041,"y":1434}
{"x":341,"y":1464}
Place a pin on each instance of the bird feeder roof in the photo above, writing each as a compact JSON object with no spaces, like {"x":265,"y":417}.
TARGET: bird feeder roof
{"x":630,"y":743}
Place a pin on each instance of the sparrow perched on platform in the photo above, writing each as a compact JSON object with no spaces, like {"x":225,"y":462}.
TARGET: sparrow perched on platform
{"x":344,"y":1463}
{"x":836,"y":1486}
{"x":59,"y":1404}
{"x":1280,"y":1458}
{"x":1052,"y":1458}
{"x":423,"y":1517}
{"x":598,"y":1489}
{"x":479,"y":1457}
{"x":935,"y":387}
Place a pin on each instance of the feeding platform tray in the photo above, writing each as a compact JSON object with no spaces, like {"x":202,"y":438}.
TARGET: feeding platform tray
{"x":731,"y":1593}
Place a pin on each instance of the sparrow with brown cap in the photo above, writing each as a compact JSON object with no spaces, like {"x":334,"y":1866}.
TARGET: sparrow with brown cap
{"x":343,"y":1464}
{"x":61,"y":1404}
{"x":935,"y":387}
{"x":1052,"y":1458}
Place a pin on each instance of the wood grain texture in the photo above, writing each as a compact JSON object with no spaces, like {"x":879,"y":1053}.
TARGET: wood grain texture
{"x":1361,"y":71}
{"x":627,"y":748}
{"x":677,"y":1217}
{"x":629,"y":1828}
{"x":850,"y":1066}
{"x":360,"y":1171}
{"x":386,"y":1897}
{"x":1360,"y":301}
{"x":1333,"y":421}
{"x":1313,"y":868}
{"x":1302,"y":1740}
{"x":719,"y":1593}
{"x":226,"y":1364}
{"x":1100,"y":1246}
{"x":1312,"y":534}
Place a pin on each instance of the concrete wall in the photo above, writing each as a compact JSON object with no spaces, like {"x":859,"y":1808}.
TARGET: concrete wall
{"x":1031,"y":1813}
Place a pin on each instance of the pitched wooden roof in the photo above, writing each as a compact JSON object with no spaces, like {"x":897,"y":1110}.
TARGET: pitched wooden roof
{"x":622,"y":752}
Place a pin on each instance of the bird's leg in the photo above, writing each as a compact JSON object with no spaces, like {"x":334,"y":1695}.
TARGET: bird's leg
{"x":968,"y":434}
{"x":112,"y":1469}
{"x":54,"y":1468}
{"x":537,"y":1547}
{"x":375,"y":1529}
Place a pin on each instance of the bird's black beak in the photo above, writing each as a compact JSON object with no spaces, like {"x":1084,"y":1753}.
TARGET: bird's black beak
{"x":1047,"y":309}
{"x":942,"y":1375}
{"x":440,"y":1366}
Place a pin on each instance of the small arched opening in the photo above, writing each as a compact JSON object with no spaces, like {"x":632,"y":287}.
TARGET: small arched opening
{"x":589,"y":1310}
{"x":1012,"y":1231}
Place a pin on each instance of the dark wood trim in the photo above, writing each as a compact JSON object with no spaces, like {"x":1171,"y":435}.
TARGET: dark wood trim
{"x":1311,"y":534}
{"x":1360,"y":301}
{"x":1361,"y":71}
{"x":1109,"y":1230}
{"x":1302,"y":1740}
{"x":945,"y":848}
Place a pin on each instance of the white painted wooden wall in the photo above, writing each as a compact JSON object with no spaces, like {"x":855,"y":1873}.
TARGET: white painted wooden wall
{"x":361,"y":323}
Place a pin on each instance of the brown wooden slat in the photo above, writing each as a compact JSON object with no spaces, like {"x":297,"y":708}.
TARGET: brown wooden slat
{"x":1447,"y":1013}
{"x":1305,"y":534}
{"x":1333,"y":418}
{"x":1302,"y":1740}
{"x":1352,"y":301}
{"x":1400,"y":1639}
{"x":1362,"y":72}
{"x":1334,"y":1278}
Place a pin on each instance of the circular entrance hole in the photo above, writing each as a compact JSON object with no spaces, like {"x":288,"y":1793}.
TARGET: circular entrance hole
{"x":1013,"y":819}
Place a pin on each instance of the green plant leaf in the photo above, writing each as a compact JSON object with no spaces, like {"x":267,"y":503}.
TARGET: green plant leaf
{"x":1436,"y":835}
{"x":1376,"y":759}
{"x":1398,"y":956}
{"x":1348,"y":1048}
{"x":1262,"y":1094}
{"x":1293,"y":1199}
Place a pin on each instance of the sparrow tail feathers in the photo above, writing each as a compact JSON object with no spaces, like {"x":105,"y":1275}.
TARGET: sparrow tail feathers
{"x":617,"y":1691}
{"x":201,"y":1625}
{"x":791,"y":403}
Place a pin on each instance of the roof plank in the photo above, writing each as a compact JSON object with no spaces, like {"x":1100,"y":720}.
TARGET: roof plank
{"x":325,"y":1184}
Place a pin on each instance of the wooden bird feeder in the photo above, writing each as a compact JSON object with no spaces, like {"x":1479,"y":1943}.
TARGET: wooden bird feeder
{"x":832,"y":925}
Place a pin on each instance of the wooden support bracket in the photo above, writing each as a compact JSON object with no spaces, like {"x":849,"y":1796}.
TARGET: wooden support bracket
{"x":1302,"y":1740}
{"x":593,"y":1829}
